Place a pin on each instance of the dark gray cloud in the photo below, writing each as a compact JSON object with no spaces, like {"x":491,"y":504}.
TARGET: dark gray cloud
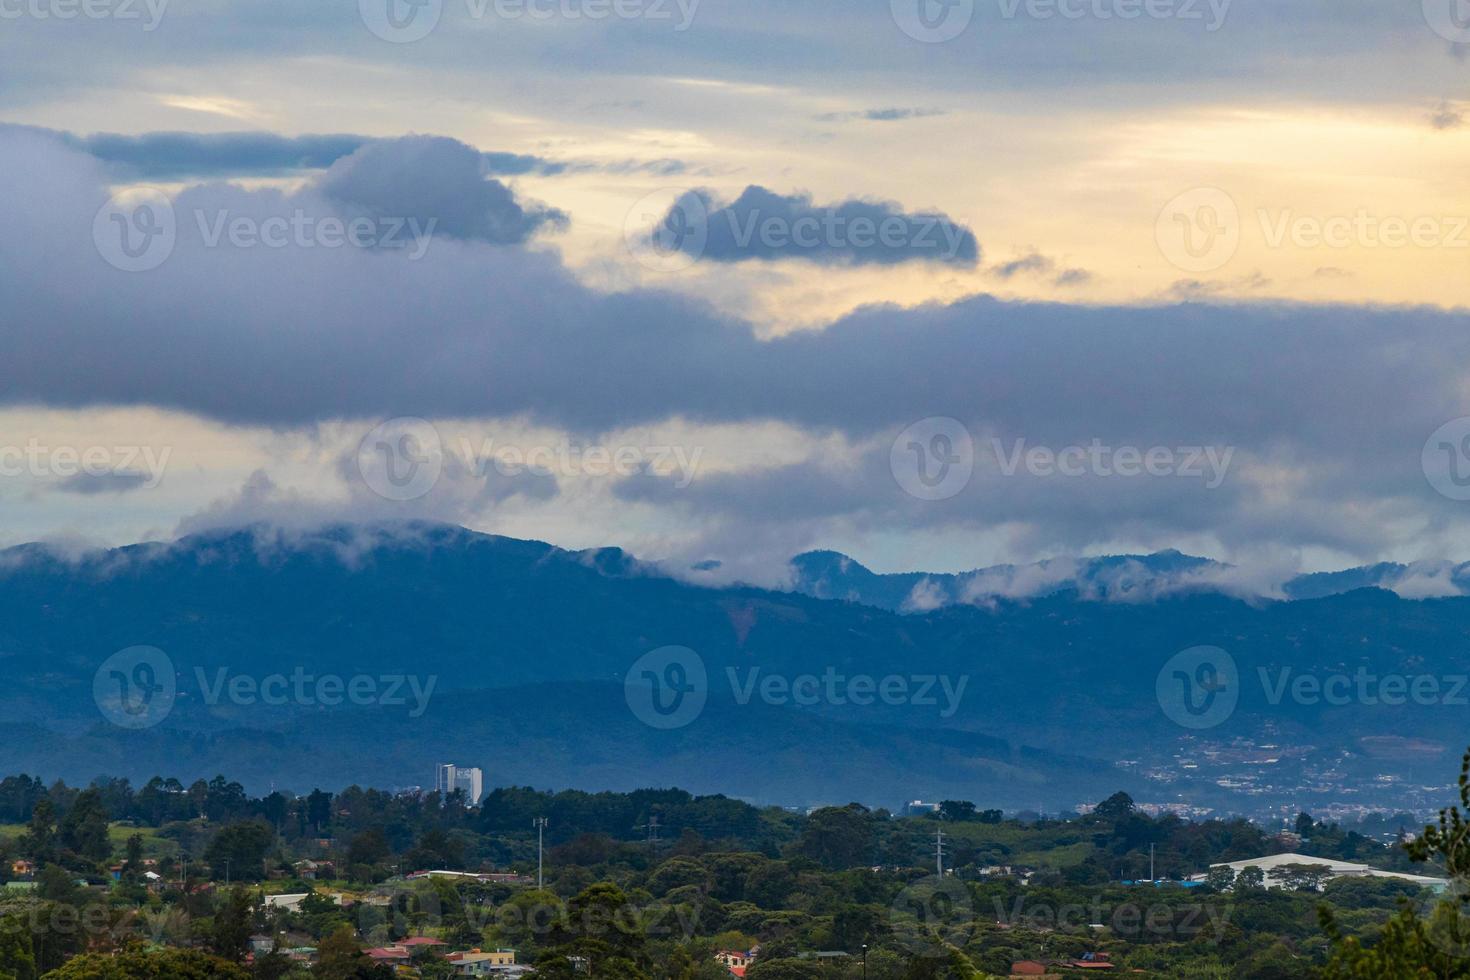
{"x":168,"y":156}
{"x":181,"y":155}
{"x":91,"y":484}
{"x":516,"y":164}
{"x":764,"y":225}
{"x":437,"y":179}
{"x":1030,"y":262}
{"x":1033,"y":263}
{"x":880,"y":115}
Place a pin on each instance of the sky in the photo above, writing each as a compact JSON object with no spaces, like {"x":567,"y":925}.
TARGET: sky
{"x":936,"y":283}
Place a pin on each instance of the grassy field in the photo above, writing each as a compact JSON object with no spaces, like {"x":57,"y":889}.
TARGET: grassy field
{"x":154,"y":846}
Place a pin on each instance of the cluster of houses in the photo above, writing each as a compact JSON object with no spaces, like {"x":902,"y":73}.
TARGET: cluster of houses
{"x":1033,"y":969}
{"x":405,"y":954}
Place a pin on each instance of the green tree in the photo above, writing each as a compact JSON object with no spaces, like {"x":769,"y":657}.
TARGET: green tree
{"x":164,"y":964}
{"x":39,"y":840}
{"x":84,"y":828}
{"x":1220,"y":878}
{"x":17,"y":952}
{"x":1250,"y":877}
{"x":340,"y":957}
{"x":959,"y":811}
{"x":229,"y":937}
{"x":839,"y":837}
{"x":238,"y":851}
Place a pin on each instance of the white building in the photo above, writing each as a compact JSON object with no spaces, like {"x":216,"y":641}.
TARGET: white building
{"x":1272,"y":864}
{"x":450,"y":777}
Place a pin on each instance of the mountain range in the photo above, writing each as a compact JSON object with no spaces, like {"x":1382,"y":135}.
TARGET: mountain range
{"x":1112,"y":578}
{"x":1038,"y":701}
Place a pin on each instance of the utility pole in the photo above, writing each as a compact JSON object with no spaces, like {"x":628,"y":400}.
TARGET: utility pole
{"x":939,"y":852}
{"x":540,"y":823}
{"x":652,"y":828}
{"x":1151,"y":877}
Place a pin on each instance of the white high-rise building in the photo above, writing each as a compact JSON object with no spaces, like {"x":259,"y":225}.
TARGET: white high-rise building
{"x":450,"y":777}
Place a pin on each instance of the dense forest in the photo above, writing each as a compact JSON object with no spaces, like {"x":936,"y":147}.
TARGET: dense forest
{"x":173,"y":880}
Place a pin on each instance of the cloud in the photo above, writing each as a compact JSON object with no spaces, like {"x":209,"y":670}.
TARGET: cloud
{"x":1034,"y":263}
{"x":169,"y":156}
{"x":1195,"y":289}
{"x":516,"y":164}
{"x":764,"y":225}
{"x":463,"y":493}
{"x":1446,"y":116}
{"x":482,"y":328}
{"x":881,"y":115}
{"x":437,"y":179}
{"x":91,"y":484}
{"x":1028,"y":263}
